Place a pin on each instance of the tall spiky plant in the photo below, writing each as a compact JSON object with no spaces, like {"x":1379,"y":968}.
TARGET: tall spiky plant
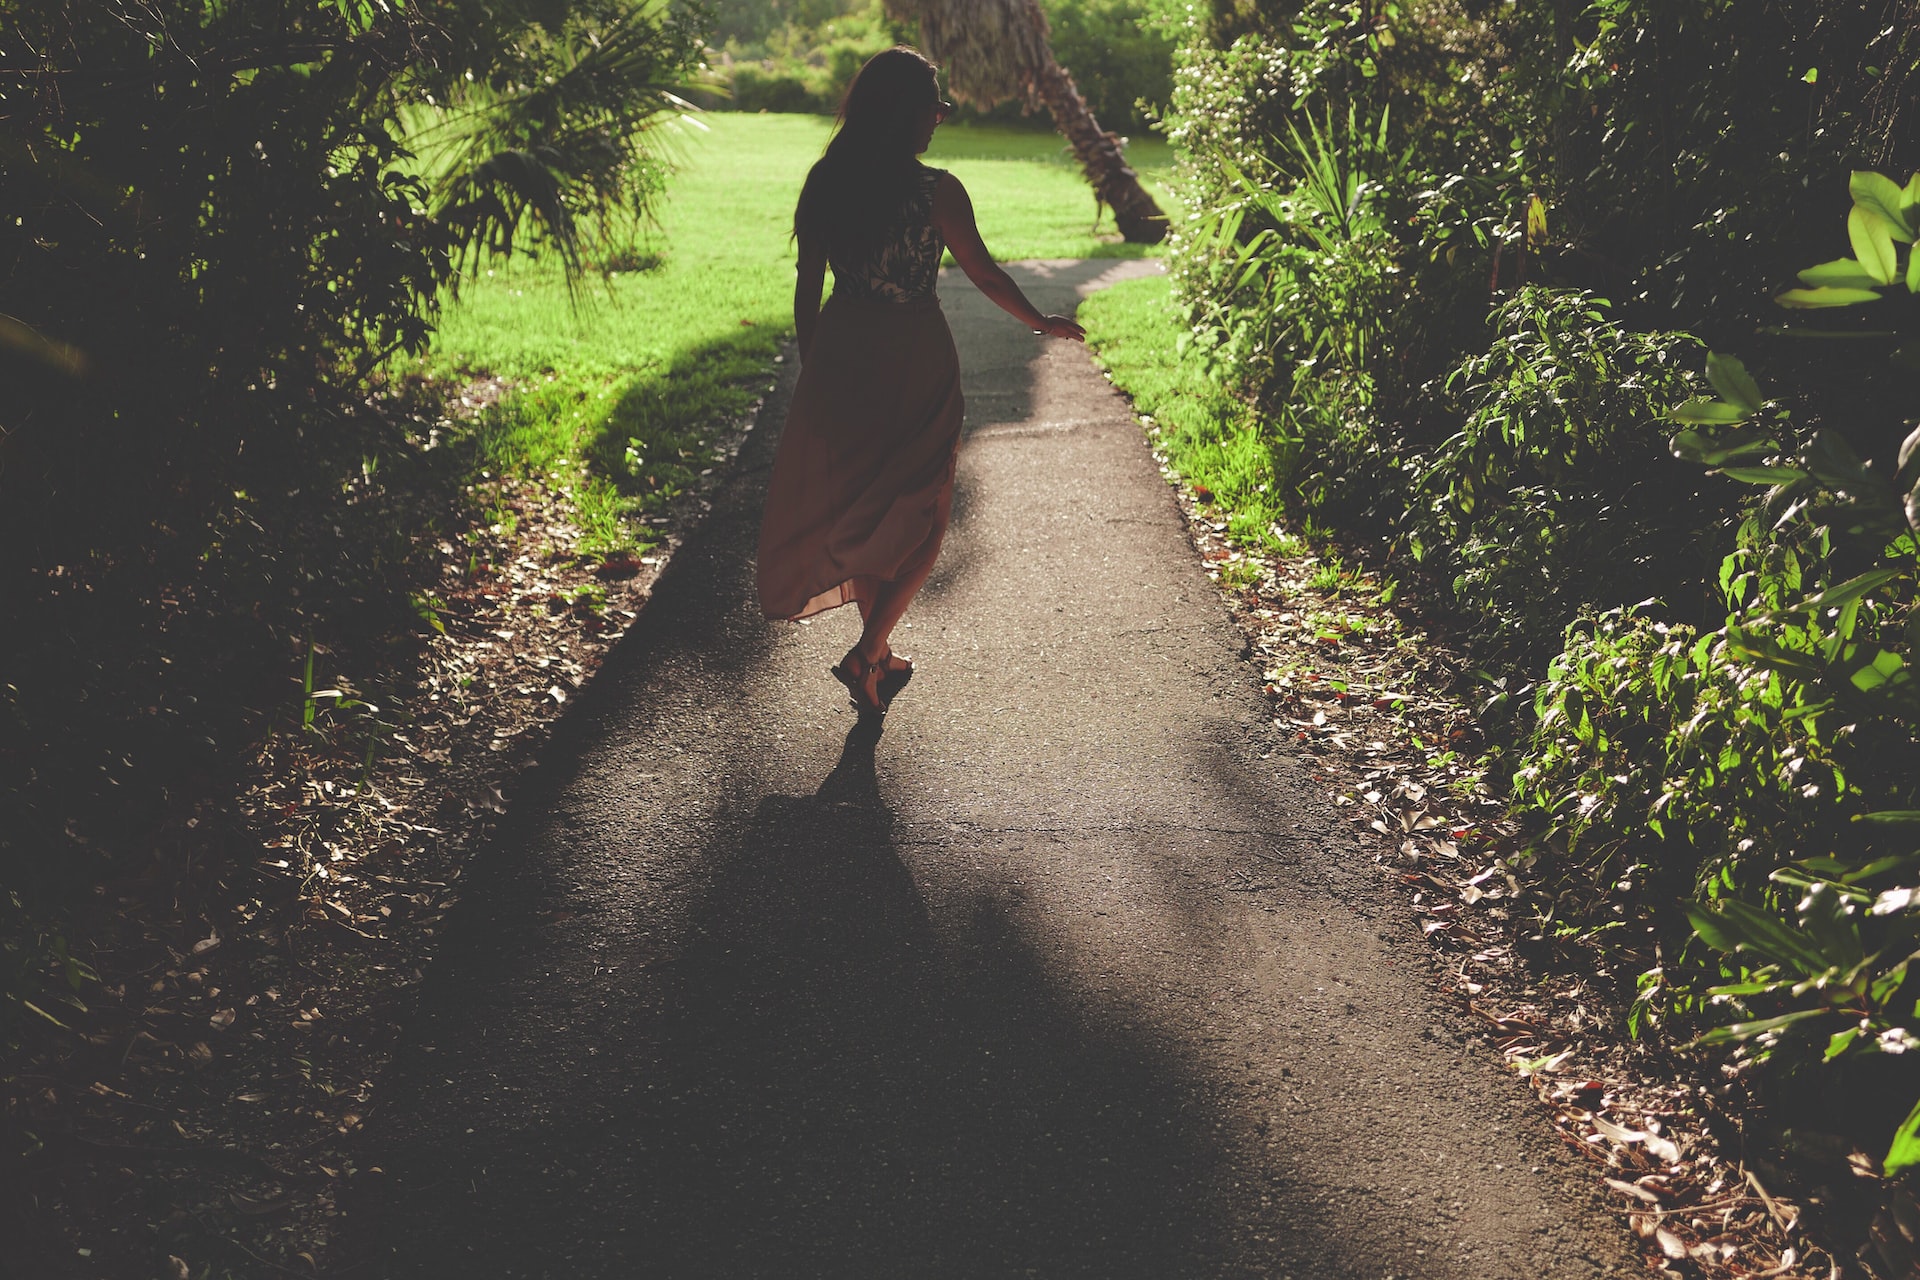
{"x":999,"y":50}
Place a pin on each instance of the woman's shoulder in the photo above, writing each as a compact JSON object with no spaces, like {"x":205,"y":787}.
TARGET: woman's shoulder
{"x":939,"y":182}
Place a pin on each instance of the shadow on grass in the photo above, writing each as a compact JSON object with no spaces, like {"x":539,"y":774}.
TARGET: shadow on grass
{"x":645,"y":441}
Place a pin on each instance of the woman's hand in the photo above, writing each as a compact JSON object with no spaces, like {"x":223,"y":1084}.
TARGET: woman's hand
{"x":1062,"y":327}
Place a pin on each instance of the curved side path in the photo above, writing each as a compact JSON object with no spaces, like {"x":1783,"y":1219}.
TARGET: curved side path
{"x":1067,"y":973}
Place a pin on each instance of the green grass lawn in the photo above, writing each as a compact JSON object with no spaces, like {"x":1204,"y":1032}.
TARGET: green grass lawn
{"x":625,"y":388}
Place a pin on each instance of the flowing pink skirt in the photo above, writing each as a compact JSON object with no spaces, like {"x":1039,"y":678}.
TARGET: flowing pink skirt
{"x":862,"y":484}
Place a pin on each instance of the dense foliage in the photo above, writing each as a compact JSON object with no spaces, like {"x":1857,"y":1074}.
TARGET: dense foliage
{"x":219,"y":217}
{"x":1556,"y":491}
{"x":800,"y":57}
{"x":221,"y":220}
{"x":1467,"y":262}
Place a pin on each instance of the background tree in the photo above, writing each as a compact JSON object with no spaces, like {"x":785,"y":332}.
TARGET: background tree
{"x":997,"y":50}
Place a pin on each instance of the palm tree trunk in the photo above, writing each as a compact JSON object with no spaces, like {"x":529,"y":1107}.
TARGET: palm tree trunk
{"x":1114,"y":183}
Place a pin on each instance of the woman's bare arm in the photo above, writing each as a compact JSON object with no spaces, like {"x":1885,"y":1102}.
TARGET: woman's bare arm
{"x":807,"y":284}
{"x":953,"y":215}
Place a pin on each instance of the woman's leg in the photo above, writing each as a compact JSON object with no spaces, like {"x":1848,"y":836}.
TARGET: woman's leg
{"x":889,"y":602}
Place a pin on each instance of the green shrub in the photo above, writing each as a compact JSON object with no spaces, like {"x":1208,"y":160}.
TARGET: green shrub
{"x":757,"y":89}
{"x":801,"y":63}
{"x":1760,"y":784}
{"x":1558,"y":491}
{"x":1291,"y":275}
{"x":1314,"y":268}
{"x":1120,"y":57}
{"x":1686,"y":147}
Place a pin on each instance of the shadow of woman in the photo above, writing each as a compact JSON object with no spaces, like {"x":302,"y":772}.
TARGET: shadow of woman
{"x":805,"y":1071}
{"x":846,"y":1089}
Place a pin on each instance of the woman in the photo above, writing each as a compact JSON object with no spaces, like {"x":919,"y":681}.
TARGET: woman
{"x":863,"y":482}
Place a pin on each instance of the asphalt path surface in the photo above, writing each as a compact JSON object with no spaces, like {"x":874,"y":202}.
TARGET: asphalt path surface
{"x":1069,"y":971}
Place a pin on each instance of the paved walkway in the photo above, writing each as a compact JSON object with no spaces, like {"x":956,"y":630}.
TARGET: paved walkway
{"x":1069,"y":973}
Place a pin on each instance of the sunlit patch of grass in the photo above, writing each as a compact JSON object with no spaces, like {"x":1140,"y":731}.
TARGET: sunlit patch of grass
{"x":1336,"y":577}
{"x":1238,"y":575}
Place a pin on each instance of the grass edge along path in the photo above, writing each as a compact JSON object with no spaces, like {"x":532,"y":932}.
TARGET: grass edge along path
{"x":1357,"y":685}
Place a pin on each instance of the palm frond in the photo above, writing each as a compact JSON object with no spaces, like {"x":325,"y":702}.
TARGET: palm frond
{"x":563,"y":145}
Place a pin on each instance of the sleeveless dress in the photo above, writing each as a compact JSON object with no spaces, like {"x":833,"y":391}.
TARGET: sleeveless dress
{"x":862,"y":484}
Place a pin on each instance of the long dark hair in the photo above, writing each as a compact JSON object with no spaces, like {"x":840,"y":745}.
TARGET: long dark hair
{"x":854,"y":191}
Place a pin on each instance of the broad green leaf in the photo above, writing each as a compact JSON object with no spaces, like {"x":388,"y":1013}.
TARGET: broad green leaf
{"x":1851,"y":589}
{"x":1696,"y":446}
{"x":1886,"y":668}
{"x":1913,"y":270}
{"x":1890,"y":817}
{"x":1773,"y":937}
{"x":1764,"y":475}
{"x":1838,"y":1042}
{"x":1888,"y":983}
{"x":1711,"y":927}
{"x":1880,"y":866}
{"x":1872,"y":238}
{"x":1731,"y":379}
{"x":1823,"y":914}
{"x":1883,"y":196}
{"x":1536,"y":222}
{"x":1758,"y":1027}
{"x":1905,"y":1151}
{"x":1831,"y":458}
{"x":1841,"y":273}
{"x":1701,"y":411}
{"x":1689,"y":445}
{"x":1825,"y":296}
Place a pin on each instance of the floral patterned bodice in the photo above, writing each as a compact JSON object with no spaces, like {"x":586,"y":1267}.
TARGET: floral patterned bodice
{"x":906,"y":264}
